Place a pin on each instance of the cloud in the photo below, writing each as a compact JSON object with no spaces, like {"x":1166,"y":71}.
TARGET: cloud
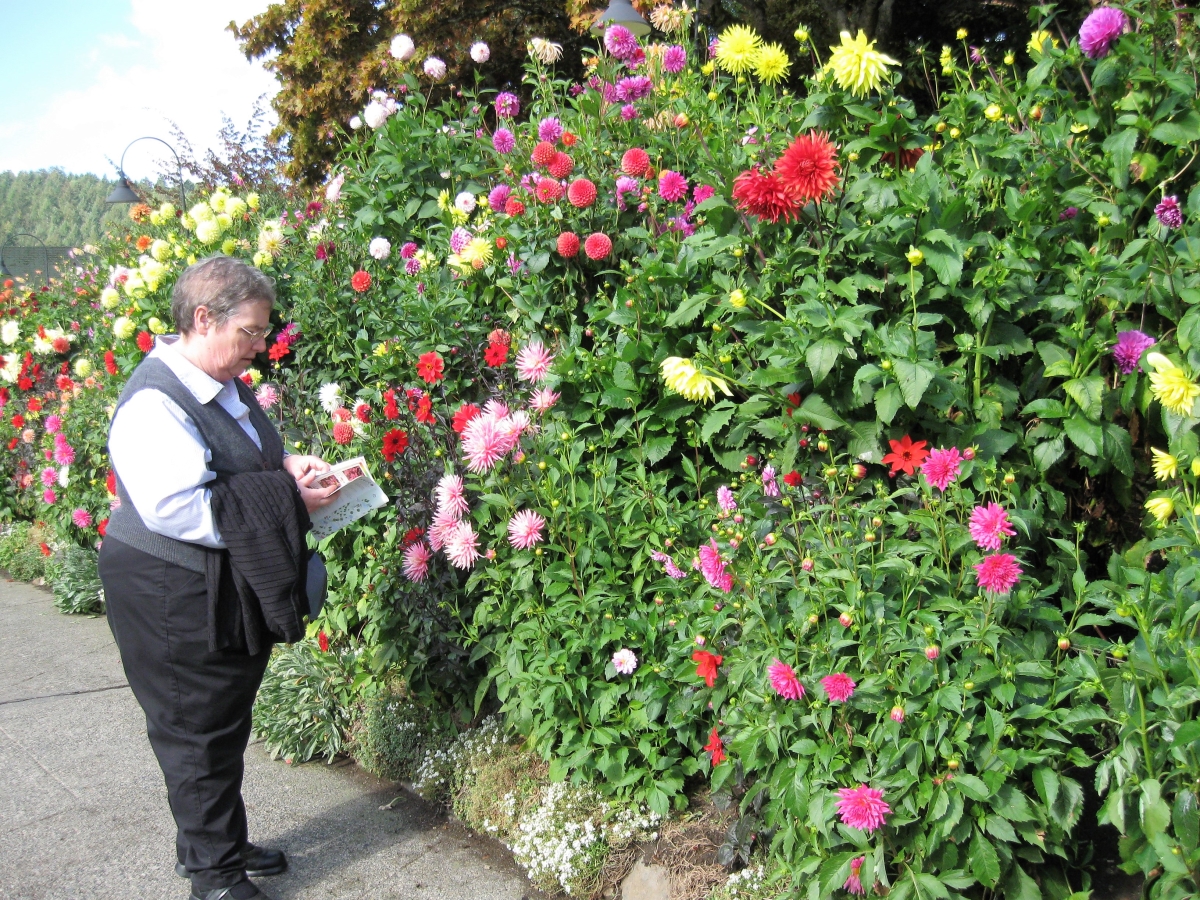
{"x":176,"y":62}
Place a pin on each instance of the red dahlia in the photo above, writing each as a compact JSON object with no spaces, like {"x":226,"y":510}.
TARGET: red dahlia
{"x":561,"y":165}
{"x":495,"y":354}
{"x":343,"y":433}
{"x":581,"y":193}
{"x":465,"y":414}
{"x":635,"y":162}
{"x":597,"y":246}
{"x":361,"y":281}
{"x":808,"y":167}
{"x":763,"y":194}
{"x":543,"y":153}
{"x":513,"y":206}
{"x":430,"y":367}
{"x":568,"y":244}
{"x":395,"y":442}
{"x":144,"y":341}
{"x":548,"y":190}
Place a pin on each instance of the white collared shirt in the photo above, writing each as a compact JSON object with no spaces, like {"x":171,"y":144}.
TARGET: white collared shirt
{"x":157,"y":451}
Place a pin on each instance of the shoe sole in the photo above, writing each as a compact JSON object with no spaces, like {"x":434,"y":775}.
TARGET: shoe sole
{"x":252,"y":873}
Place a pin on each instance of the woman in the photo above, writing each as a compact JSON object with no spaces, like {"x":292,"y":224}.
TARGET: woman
{"x":184,"y":420}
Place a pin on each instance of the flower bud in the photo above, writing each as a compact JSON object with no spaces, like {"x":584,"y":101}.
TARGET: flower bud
{"x":846,"y":620}
{"x":897,"y":714}
{"x":807,"y":564}
{"x":769,"y":540}
{"x":968,"y":453}
{"x":933,"y":651}
{"x":914,"y":256}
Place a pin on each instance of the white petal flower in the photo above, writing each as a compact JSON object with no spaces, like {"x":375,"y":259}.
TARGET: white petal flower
{"x":403,"y":47}
{"x":375,"y":114}
{"x":380,"y":248}
{"x":435,"y":68}
{"x":355,"y":123}
{"x":480,"y":52}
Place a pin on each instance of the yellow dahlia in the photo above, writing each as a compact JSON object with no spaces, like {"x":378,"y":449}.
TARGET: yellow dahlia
{"x":771,"y":63}
{"x":1170,"y":385}
{"x":857,"y":66}
{"x":477,"y":253}
{"x":1037,"y":43}
{"x":737,"y":49}
{"x":1165,"y":465}
{"x":682,"y":377}
{"x":1162,"y":508}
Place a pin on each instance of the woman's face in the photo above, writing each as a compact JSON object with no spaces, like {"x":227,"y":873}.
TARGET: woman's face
{"x":225,"y":350}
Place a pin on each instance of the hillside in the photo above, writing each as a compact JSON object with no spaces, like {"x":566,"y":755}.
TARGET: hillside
{"x":61,"y":209}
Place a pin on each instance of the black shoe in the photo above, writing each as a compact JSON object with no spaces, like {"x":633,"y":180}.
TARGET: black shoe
{"x":243,"y":890}
{"x":261,"y":862}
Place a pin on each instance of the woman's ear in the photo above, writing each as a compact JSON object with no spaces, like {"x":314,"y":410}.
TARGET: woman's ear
{"x":201,"y":320}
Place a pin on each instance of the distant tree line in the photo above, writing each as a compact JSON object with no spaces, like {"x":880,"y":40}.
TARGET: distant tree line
{"x":63,"y":210}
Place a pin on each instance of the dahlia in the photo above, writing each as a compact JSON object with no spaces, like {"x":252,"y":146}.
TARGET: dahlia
{"x":764,"y":195}
{"x":64,"y":453}
{"x":862,"y":807}
{"x":361,"y":281}
{"x":897,"y":714}
{"x":435,"y":68}
{"x":707,"y":665}
{"x":451,"y":498}
{"x":462,"y":546}
{"x":715,"y":748}
{"x":53,"y":424}
{"x":496,"y":354}
{"x":906,"y":455}
{"x":560,"y":167}
{"x":633,"y":88}
{"x":525,"y":530}
{"x":1164,"y":464}
{"x":624,"y":661}
{"x":1130,"y":346}
{"x":681,"y":376}
{"x":672,"y":186}
{"x":82,"y":518}
{"x":581,"y":193}
{"x":503,"y":141}
{"x":439,"y":529}
{"x":1171,"y":386}
{"x":668,"y":564}
{"x":480,"y":52}
{"x":548,"y":190}
{"x":430,"y":367}
{"x":1100,"y":31}
{"x":784,"y":680}
{"x":770,"y":488}
{"x":395,"y":442}
{"x":513,"y":207}
{"x":998,"y":573}
{"x":459,"y":238}
{"x":597,"y":246}
{"x":403,"y":47}
{"x":507,"y":105}
{"x":485,"y":441}
{"x":674,"y":58}
{"x":737,"y":48}
{"x":771,"y":63}
{"x":854,"y":883}
{"x":629,"y":112}
{"x":50,"y":475}
{"x":543,"y":153}
{"x":533,"y":362}
{"x":542,"y":400}
{"x":568,"y":244}
{"x":49,"y":497}
{"x":713,"y":568}
{"x":1168,"y":212}
{"x":942,"y":467}
{"x":545,"y":51}
{"x":839,"y":688}
{"x":635,"y":162}
{"x":416,"y":561}
{"x":620,"y":41}
{"x":725,"y":499}
{"x":465,"y":414}
{"x":550,"y":129}
{"x":989,"y":525}
{"x":808,"y":168}
{"x":857,"y":66}
{"x":266,"y":396}
{"x":343,"y":432}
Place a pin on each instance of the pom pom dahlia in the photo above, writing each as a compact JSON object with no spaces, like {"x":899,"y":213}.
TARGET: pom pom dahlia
{"x":597,"y":246}
{"x":635,"y":162}
{"x":624,"y":661}
{"x":543,"y":153}
{"x":1130,"y":346}
{"x":507,"y":105}
{"x":503,"y":141}
{"x":1169,"y":213}
{"x":560,"y":166}
{"x":568,"y":244}
{"x":581,"y":193}
{"x":1100,"y":31}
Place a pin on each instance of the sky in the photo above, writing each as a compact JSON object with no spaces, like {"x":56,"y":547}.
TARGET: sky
{"x":81,"y":79}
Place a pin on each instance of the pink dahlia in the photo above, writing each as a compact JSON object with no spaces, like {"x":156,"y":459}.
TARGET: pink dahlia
{"x":49,"y":476}
{"x":64,"y":453}
{"x":624,"y":661}
{"x":49,"y":497}
{"x":862,"y":807}
{"x":854,"y":883}
{"x":525,"y":530}
{"x":713,"y":568}
{"x":533,"y":362}
{"x":998,"y":573}
{"x":897,"y":714}
{"x":620,"y":42}
{"x":672,"y":186}
{"x":451,"y":498}
{"x":542,"y":400}
{"x":548,"y":190}
{"x":839,"y":688}
{"x":770,"y":487}
{"x":459,"y":238}
{"x":507,"y":105}
{"x":725,"y":499}
{"x":989,"y":526}
{"x":598,"y":245}
{"x":498,"y":196}
{"x":266,"y":396}
{"x":53,"y":424}
{"x":674,"y":59}
{"x":1100,"y":31}
{"x":462,"y":546}
{"x":416,"y":561}
{"x":503,"y":141}
{"x":1130,"y":346}
{"x":82,"y":518}
{"x":408,"y":251}
{"x":942,"y":467}
{"x":668,"y":564}
{"x":550,"y":129}
{"x":485,"y":441}
{"x":1168,"y":212}
{"x":784,"y":680}
{"x":439,"y":530}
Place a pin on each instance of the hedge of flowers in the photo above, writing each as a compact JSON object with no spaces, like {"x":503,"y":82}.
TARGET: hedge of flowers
{"x":776,"y":441}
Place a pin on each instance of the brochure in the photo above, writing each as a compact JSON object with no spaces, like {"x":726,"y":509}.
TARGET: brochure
{"x":356,"y":495}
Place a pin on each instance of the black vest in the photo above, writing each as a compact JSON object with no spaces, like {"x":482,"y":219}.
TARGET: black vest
{"x":233,"y":452}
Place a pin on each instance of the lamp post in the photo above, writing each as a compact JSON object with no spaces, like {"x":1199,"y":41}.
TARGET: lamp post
{"x":4,"y":270}
{"x":123,"y":193}
{"x":621,"y":12}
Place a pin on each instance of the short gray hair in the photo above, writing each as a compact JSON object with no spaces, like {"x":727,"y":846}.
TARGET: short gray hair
{"x":222,"y":285}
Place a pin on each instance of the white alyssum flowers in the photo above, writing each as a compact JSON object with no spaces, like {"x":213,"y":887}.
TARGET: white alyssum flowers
{"x":403,"y":47}
{"x":480,"y":52}
{"x":380,"y":248}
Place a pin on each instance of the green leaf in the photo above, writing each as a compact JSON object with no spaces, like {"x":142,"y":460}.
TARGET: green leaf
{"x":717,"y":418}
{"x":821,"y":357}
{"x":429,"y":210}
{"x":985,"y":864}
{"x":1088,"y":393}
{"x":1121,"y":145}
{"x":1087,"y":436}
{"x":1187,"y":820}
{"x":914,"y":378}
{"x":658,"y":447}
{"x":688,"y":310}
{"x":887,"y":402}
{"x":1177,"y":134}
{"x":1155,"y":814}
{"x":1019,"y":886}
{"x":1046,"y":782}
{"x":815,"y":411}
{"x":971,"y":786}
{"x":946,"y":264}
{"x":1047,"y":453}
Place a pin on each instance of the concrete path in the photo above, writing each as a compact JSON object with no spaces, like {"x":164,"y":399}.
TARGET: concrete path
{"x":83,"y":810}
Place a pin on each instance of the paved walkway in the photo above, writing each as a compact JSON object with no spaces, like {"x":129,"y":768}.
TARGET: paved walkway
{"x":83,"y":810}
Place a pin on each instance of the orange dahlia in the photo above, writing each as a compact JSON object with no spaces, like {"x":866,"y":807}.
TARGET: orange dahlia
{"x":809,"y":167}
{"x":763,"y":194}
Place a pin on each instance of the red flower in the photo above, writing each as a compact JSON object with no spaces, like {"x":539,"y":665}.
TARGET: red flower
{"x":411,"y":536}
{"x":430,"y":367}
{"x":24,"y":383}
{"x":763,"y":194}
{"x":102,"y":528}
{"x":34,"y":405}
{"x":424,"y":411}
{"x":569,"y":139}
{"x":706,"y":665}
{"x":561,"y":165}
{"x":581,"y":193}
{"x":45,"y":548}
{"x":363,"y":413}
{"x":395,"y":442}
{"x":548,"y":190}
{"x":12,"y":445}
{"x":597,"y":246}
{"x":513,"y":206}
{"x":361,"y":281}
{"x":905,"y":455}
{"x":323,"y":642}
{"x":110,"y":363}
{"x":808,"y":167}
{"x":716,"y":748}
{"x":465,"y":414}
{"x":18,"y":421}
{"x":635,"y":162}
{"x":793,"y":478}
{"x":278,"y":351}
{"x":63,"y":383}
{"x":495,"y":354}
{"x":111,"y":482}
{"x":60,"y":345}
{"x":568,"y":244}
{"x":343,"y":432}
{"x":144,"y":341}
{"x":543,"y":153}
{"x":390,"y":410}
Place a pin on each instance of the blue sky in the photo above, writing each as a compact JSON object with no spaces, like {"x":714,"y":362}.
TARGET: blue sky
{"x":82,"y":78}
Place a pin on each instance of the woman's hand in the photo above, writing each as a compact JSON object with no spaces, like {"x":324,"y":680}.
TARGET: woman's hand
{"x":298,"y":466}
{"x":314,"y":497}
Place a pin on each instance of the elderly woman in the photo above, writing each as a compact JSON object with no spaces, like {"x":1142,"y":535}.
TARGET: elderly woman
{"x":188,"y":440}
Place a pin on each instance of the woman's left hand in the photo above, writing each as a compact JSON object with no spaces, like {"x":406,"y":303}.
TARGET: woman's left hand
{"x":299,"y":466}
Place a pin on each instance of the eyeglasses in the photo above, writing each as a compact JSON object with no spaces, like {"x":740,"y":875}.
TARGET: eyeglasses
{"x":256,"y":335}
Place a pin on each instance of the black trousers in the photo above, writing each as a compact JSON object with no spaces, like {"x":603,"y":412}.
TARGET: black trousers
{"x":197,"y":704}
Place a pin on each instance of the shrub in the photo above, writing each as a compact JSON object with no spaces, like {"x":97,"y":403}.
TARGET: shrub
{"x":77,"y":587}
{"x":393,"y":734}
{"x":25,"y":551}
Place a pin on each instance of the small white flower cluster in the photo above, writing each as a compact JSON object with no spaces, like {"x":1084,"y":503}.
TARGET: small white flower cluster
{"x":631,"y":824}
{"x":560,"y":842}
{"x":441,"y":767}
{"x":748,"y":884}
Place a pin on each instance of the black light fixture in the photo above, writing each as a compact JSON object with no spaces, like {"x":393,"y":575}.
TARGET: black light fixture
{"x":124,"y":193}
{"x":5,"y":272}
{"x":621,"y":12}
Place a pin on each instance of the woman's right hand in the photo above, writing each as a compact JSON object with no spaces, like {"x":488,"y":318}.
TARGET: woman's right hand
{"x":314,"y":497}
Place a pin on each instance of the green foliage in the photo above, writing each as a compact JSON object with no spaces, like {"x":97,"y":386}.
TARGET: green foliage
{"x":77,"y":588}
{"x":63,"y":210}
{"x":394,"y":733}
{"x":24,"y":551}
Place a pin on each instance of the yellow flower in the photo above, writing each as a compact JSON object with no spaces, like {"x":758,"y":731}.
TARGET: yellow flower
{"x":261,"y":259}
{"x":156,"y":325}
{"x":1165,"y":465}
{"x":993,"y":113}
{"x":1196,"y":466}
{"x":737,"y":49}
{"x":208,"y":231}
{"x":737,"y":298}
{"x":962,"y":34}
{"x":229,"y":246}
{"x":167,"y":210}
{"x":255,"y":376}
{"x":1079,"y":128}
{"x":1162,"y":508}
{"x":252,"y":201}
{"x":444,"y":200}
{"x":684,"y":378}
{"x":83,"y":367}
{"x":380,"y":349}
{"x":123,"y":328}
{"x":477,"y":253}
{"x":160,"y":250}
{"x":707,"y":69}
{"x":1037,"y":43}
{"x":1171,"y":386}
{"x":914,"y":256}
{"x":109,"y":298}
{"x":1009,"y":59}
{"x":771,"y":63}
{"x":801,"y":35}
{"x":857,"y":66}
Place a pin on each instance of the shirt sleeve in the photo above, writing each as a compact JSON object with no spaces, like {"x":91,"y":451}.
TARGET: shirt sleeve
{"x":161,"y":459}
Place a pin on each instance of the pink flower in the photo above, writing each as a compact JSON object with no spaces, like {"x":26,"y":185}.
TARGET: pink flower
{"x":620,"y":42}
{"x":942,"y":467}
{"x":702,"y":192}
{"x":674,"y":59}
{"x":862,"y":807}
{"x":267,"y":396}
{"x":503,"y":142}
{"x":668,"y":564}
{"x":64,"y":453}
{"x":932,"y":652}
{"x":485,"y":441}
{"x":1168,"y":212}
{"x":713,"y":568}
{"x":550,"y":129}
{"x":49,"y":476}
{"x":439,"y":530}
{"x":672,"y":186}
{"x":525,"y":529}
{"x":533,"y":362}
{"x":48,"y":496}
{"x":82,"y":518}
{"x":725,"y":499}
{"x":897,"y":714}
{"x":462,"y":545}
{"x":408,"y":251}
{"x":1130,"y":346}
{"x":416,"y":561}
{"x":989,"y":525}
{"x":770,"y":487}
{"x":450,"y":497}
{"x":784,"y":680}
{"x":998,"y":573}
{"x":1100,"y":31}
{"x":459,"y":238}
{"x":53,"y":424}
{"x":839,"y":688}
{"x":854,"y":884}
{"x":624,"y":661}
{"x":542,"y":400}
{"x":498,"y":196}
